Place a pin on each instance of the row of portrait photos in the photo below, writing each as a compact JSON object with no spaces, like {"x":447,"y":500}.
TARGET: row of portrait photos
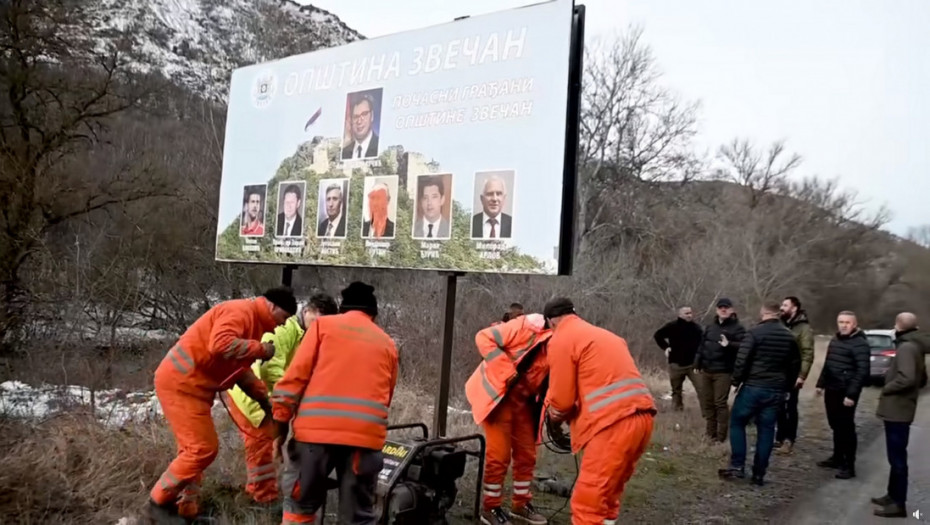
{"x":432,"y":218}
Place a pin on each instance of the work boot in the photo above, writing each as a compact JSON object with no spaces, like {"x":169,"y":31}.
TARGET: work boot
{"x":757,"y":480}
{"x":155,"y":514}
{"x":882,"y":501}
{"x":528,"y":514}
{"x":846,"y":473}
{"x":786,"y":448}
{"x":778,"y":445}
{"x":731,"y":473}
{"x":831,"y":462}
{"x":495,"y":516}
{"x":892,"y":510}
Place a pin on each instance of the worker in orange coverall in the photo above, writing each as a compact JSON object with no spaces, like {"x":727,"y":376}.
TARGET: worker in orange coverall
{"x":211,"y":356}
{"x":256,"y":429}
{"x":336,"y":396}
{"x":595,"y":385}
{"x":502,"y":392}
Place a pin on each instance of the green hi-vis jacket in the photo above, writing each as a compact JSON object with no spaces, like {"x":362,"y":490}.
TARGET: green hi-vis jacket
{"x":286,"y":339}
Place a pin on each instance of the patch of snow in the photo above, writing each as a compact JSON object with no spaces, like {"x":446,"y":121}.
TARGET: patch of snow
{"x":114,"y":408}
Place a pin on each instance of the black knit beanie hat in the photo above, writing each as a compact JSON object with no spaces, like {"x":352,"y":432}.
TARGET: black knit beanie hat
{"x":283,"y":298}
{"x":359,"y":296}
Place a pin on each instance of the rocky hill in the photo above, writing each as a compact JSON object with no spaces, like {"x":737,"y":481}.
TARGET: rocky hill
{"x":197,"y":43}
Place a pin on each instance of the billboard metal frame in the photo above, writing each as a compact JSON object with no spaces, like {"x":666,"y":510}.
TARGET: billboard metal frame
{"x":566,"y":249}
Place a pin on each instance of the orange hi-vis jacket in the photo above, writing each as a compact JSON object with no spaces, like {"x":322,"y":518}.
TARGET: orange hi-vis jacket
{"x":593,"y":377}
{"x":503,"y":347}
{"x":340,"y":383}
{"x":218,"y":348}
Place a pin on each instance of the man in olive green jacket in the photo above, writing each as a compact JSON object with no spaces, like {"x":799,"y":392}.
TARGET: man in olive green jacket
{"x":256,"y":430}
{"x":897,"y":407}
{"x":795,"y":319}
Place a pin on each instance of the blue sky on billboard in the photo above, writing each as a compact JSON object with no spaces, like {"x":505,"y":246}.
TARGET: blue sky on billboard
{"x":843,"y":81}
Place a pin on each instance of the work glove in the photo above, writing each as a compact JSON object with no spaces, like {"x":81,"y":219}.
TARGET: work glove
{"x":269,"y":350}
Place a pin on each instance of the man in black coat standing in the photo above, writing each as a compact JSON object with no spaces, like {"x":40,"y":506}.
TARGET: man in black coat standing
{"x":714,"y":365}
{"x":680,"y":340}
{"x":766,"y":367}
{"x":844,"y":373}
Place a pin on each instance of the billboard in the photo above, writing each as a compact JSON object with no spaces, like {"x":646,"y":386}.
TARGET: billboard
{"x":442,"y":148}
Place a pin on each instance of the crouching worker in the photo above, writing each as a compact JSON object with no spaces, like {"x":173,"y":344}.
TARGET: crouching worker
{"x":256,"y":429}
{"x":595,"y":386}
{"x":503,"y":392}
{"x":336,"y":395}
{"x":211,"y":356}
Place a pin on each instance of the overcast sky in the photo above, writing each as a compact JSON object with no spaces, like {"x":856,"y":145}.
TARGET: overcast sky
{"x":845,"y":82}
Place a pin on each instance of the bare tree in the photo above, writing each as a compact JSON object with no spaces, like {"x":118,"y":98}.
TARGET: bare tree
{"x":632,"y":128}
{"x":60,"y":93}
{"x":920,"y":235}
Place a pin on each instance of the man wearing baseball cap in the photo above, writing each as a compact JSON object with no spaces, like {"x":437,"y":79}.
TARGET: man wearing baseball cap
{"x":595,"y":386}
{"x":714,"y":364}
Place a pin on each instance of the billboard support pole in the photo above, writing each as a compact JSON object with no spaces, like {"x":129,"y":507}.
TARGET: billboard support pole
{"x":441,"y":406}
{"x":287,"y":275}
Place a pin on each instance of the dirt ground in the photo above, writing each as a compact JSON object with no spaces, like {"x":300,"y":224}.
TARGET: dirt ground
{"x":108,"y":473}
{"x":676,"y":482}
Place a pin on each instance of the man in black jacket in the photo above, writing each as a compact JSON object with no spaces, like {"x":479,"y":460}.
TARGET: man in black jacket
{"x":680,"y":340}
{"x":714,"y":365}
{"x":844,"y":373}
{"x":766,"y":367}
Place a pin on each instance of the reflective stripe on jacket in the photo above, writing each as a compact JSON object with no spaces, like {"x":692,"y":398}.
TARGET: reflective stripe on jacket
{"x":285,"y":338}
{"x":593,"y":377}
{"x":339,"y":386}
{"x":218,"y":348}
{"x":503,"y":347}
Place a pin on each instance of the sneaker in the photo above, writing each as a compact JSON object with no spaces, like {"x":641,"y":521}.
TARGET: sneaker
{"x":495,"y":516}
{"x":528,"y":514}
{"x":778,"y":444}
{"x":883,"y":501}
{"x":891,"y":511}
{"x":830,"y":462}
{"x":757,"y":480}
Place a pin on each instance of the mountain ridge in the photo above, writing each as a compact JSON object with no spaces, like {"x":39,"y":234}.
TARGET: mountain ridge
{"x":198,"y":43}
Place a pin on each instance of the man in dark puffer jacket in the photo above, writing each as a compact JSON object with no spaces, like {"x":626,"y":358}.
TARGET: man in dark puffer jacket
{"x":714,"y":365}
{"x":766,"y":367}
{"x":845,"y":371}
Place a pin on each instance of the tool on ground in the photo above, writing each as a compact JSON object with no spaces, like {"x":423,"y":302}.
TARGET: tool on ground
{"x":417,"y":484}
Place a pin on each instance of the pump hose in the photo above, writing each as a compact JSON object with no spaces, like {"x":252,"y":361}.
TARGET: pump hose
{"x":559,"y":441}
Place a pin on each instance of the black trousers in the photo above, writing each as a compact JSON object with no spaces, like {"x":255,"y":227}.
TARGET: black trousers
{"x":842,"y":420}
{"x":788,"y":418}
{"x":306,"y":479}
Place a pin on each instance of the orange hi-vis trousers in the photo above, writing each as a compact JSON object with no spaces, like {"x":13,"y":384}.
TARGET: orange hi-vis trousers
{"x":190,"y":420}
{"x":261,"y":475}
{"x":607,"y":463}
{"x":510,"y":432}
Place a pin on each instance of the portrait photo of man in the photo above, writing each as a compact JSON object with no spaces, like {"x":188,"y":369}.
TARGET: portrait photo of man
{"x":290,"y":209}
{"x":331,"y":210}
{"x":379,"y":207}
{"x":363,"y":122}
{"x":433,"y":207}
{"x":252,"y":222}
{"x":494,"y":203}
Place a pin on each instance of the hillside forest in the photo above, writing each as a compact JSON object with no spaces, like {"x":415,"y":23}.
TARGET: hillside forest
{"x":109,"y":177}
